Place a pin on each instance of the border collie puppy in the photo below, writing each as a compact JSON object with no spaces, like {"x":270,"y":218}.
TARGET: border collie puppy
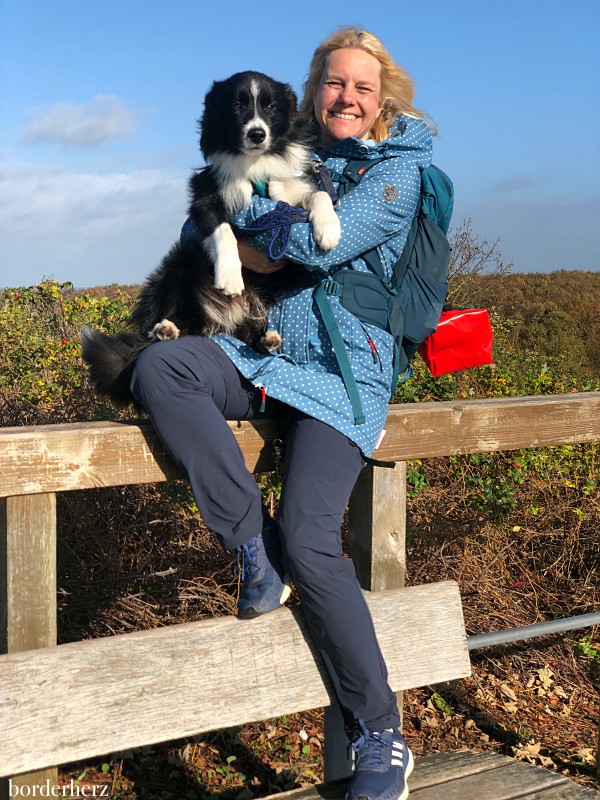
{"x":251,"y":135}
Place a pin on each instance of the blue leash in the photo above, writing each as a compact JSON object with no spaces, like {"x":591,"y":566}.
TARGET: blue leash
{"x":279,"y":221}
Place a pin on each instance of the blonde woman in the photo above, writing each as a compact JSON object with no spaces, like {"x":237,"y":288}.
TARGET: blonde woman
{"x":362,"y":102}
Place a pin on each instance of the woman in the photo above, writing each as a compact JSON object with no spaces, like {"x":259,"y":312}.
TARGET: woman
{"x":362,"y":102}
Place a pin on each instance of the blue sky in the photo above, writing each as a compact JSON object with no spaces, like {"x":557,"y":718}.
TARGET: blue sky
{"x":99,"y":103}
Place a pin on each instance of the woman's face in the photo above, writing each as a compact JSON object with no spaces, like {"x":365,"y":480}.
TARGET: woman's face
{"x":348,"y":99}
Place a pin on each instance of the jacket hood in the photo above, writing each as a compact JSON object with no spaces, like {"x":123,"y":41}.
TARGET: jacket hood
{"x":409,"y":138}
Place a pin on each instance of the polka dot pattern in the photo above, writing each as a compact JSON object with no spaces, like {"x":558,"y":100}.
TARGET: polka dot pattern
{"x":305,"y":373}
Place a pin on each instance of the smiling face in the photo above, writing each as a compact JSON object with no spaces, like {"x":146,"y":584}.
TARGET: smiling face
{"x":348,"y":100}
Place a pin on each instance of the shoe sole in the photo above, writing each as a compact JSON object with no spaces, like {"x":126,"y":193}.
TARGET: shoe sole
{"x":287,"y":591}
{"x":409,"y":768}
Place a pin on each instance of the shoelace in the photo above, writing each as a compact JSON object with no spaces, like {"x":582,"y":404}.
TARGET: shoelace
{"x":246,"y":560}
{"x":368,"y":748}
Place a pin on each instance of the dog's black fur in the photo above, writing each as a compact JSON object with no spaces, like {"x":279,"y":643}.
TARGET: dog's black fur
{"x":251,"y":132}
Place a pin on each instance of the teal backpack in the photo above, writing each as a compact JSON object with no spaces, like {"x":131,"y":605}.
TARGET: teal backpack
{"x":409,"y":306}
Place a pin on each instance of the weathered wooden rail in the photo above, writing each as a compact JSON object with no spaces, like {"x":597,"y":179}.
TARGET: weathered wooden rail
{"x":69,"y":702}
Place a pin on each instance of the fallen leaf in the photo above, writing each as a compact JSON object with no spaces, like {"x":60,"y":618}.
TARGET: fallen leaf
{"x":586,"y":755}
{"x":545,"y":677}
{"x":506,"y":690}
{"x":545,"y":761}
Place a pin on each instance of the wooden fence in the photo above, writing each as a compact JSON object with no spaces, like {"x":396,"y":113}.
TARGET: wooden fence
{"x":38,"y":462}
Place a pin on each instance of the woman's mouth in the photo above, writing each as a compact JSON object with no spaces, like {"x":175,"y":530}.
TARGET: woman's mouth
{"x":342,"y":115}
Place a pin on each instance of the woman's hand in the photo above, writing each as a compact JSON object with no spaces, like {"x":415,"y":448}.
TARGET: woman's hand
{"x":257,"y":261}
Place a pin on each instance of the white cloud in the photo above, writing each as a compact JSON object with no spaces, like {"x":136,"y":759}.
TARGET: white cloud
{"x":88,"y":125}
{"x":87,"y":228}
{"x":512,"y":183}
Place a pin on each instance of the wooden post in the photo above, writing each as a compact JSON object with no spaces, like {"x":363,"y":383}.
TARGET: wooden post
{"x":28,"y":591}
{"x":377,"y":527}
{"x":376,"y":544}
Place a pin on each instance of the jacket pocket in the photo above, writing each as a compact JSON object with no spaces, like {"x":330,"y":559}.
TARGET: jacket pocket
{"x":298,"y":327}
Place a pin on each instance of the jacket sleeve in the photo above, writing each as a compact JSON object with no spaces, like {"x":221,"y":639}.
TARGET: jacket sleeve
{"x":379,"y":208}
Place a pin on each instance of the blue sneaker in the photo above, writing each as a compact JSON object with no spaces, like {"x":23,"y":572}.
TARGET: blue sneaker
{"x":264,"y":585}
{"x":382,"y":764}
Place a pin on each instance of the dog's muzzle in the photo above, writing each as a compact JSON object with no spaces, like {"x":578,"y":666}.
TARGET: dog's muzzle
{"x":257,"y":135}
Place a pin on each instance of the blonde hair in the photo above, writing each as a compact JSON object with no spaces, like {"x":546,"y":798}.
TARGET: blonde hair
{"x":397,"y":87}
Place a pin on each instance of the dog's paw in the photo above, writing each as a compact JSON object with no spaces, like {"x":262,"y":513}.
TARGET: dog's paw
{"x":164,"y":331}
{"x":327,"y":232}
{"x":326,"y":225}
{"x":228,"y":277}
{"x":277,"y":190}
{"x":270,"y":341}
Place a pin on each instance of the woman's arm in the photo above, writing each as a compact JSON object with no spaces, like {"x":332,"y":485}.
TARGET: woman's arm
{"x":378,"y":208}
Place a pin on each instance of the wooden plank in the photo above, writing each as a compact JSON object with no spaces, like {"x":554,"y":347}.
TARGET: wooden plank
{"x":54,"y":458}
{"x":479,"y":426}
{"x":81,"y":455}
{"x":88,"y":698}
{"x":448,"y":774}
{"x":509,"y":781}
{"x":563,"y":791}
{"x":436,"y":768}
{"x":28,"y":591}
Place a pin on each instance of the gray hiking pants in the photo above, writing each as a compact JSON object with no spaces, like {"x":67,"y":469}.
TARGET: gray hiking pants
{"x":189,"y":387}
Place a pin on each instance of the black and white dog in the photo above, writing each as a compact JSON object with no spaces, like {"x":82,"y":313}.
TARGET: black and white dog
{"x":251,"y":134}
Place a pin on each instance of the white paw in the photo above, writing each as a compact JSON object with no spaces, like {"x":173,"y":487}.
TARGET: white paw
{"x":164,"y":330}
{"x":276,"y":189}
{"x":327,"y":232}
{"x":228,"y":277}
{"x":325,"y":222}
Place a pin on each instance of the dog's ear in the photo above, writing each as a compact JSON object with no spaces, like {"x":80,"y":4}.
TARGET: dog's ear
{"x":211,"y":104}
{"x":291,"y":99}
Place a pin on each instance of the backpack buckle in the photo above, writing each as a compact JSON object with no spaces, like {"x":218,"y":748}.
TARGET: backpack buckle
{"x":332,"y":288}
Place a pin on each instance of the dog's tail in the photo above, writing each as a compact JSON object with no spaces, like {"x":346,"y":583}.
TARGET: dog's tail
{"x":110,"y":360}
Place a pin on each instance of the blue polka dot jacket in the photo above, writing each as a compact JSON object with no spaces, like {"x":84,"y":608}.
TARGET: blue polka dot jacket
{"x":377,"y":212}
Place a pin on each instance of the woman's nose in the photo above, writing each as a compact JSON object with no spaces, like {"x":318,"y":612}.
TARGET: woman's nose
{"x":347,"y":95}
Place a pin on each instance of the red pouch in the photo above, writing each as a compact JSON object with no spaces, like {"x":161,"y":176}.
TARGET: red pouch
{"x":462,"y":339}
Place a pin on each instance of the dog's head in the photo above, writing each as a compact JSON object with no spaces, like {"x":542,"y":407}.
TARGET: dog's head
{"x":249,"y":113}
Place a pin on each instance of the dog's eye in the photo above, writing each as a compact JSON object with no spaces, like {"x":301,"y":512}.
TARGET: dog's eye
{"x":270,"y":107}
{"x":236,"y":105}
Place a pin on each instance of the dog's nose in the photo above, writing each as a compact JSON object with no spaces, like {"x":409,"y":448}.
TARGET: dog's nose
{"x":257,"y":135}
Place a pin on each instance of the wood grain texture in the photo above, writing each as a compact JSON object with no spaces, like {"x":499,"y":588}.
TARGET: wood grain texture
{"x":28,"y":592}
{"x":53,"y":458}
{"x":377,"y":527}
{"x":478,"y":426}
{"x":28,"y":564}
{"x":88,"y":698}
{"x":82,"y":455}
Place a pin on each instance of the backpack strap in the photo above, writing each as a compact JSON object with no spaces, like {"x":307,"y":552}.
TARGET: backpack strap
{"x":353,"y":173}
{"x":340,"y":352}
